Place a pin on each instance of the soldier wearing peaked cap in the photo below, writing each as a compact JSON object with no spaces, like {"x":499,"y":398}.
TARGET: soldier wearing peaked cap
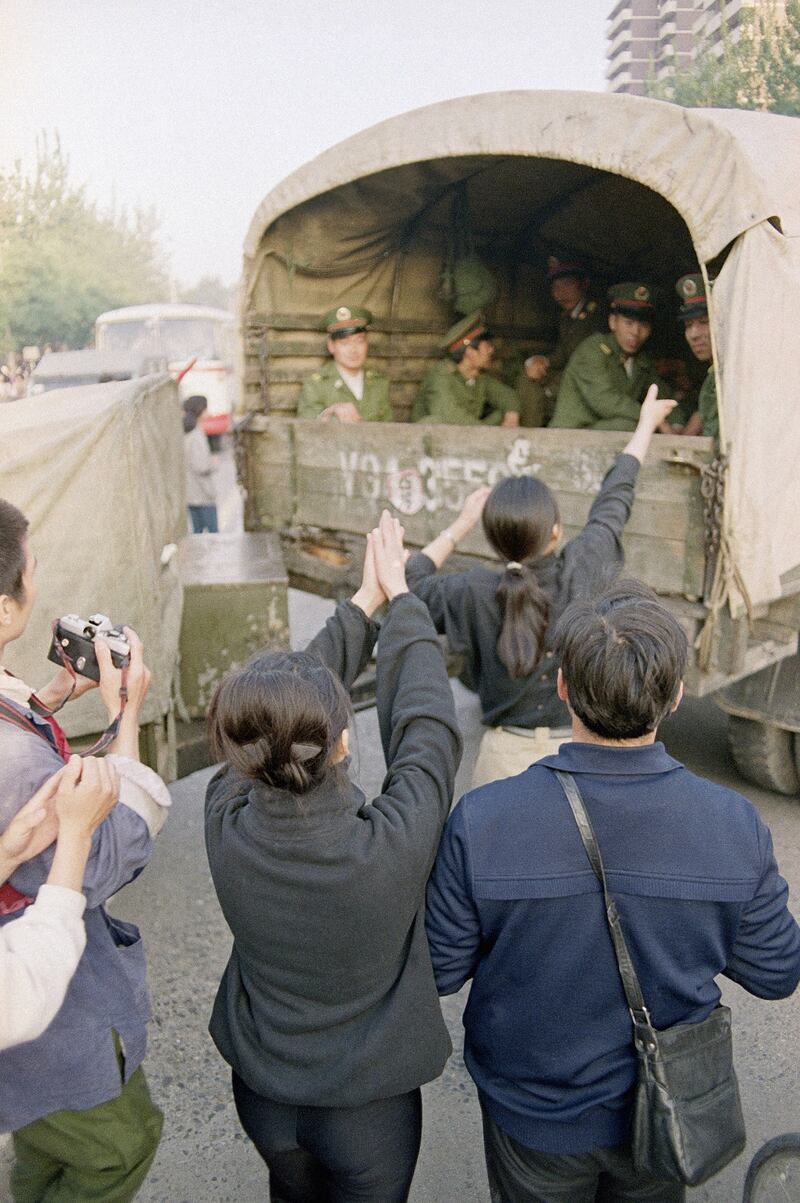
{"x":459,"y":391}
{"x":345,"y":387}
{"x":608,"y":376}
{"x":693,"y":313}
{"x":579,"y":316}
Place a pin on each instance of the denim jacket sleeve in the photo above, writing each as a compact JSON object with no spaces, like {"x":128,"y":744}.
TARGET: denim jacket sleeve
{"x":121,"y":845}
{"x":451,"y":917}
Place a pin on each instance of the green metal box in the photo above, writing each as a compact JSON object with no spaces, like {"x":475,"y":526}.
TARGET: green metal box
{"x":235,"y":603}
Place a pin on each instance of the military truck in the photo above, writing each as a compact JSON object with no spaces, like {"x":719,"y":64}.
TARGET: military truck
{"x":635,"y":189}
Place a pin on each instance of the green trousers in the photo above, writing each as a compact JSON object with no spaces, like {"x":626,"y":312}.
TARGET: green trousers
{"x":101,"y":1155}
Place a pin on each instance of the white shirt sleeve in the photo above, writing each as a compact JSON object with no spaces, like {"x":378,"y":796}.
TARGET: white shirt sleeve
{"x":39,"y":954}
{"x":142,"y":790}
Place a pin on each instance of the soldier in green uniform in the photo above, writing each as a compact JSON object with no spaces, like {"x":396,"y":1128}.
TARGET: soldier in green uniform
{"x":694,"y":314}
{"x":345,"y":388}
{"x":459,"y":391}
{"x":608,"y":376}
{"x":539,"y":380}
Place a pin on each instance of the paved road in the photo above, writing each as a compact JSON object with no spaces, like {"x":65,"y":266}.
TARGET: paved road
{"x":204,"y":1157}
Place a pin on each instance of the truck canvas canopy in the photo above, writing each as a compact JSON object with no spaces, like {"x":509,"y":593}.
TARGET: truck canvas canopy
{"x":634,"y":188}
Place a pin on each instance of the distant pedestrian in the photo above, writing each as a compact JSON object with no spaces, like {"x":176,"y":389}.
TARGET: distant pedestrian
{"x":201,"y":468}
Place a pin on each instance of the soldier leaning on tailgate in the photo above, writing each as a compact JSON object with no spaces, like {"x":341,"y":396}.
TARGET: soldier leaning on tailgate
{"x":345,"y":388}
{"x":694,"y":315}
{"x":538,"y":382}
{"x":459,"y":391}
{"x":608,"y":376}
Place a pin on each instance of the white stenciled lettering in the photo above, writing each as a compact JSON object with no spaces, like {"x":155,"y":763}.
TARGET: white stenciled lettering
{"x":348,"y":462}
{"x":370,"y":467}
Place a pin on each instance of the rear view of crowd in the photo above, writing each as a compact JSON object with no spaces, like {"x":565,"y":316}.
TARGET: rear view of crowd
{"x":351,"y":916}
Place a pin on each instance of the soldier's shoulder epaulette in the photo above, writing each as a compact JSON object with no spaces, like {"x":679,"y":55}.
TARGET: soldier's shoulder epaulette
{"x":604,"y":347}
{"x":590,"y":308}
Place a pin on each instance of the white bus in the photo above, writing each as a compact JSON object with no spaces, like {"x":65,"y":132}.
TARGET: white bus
{"x":195,"y":341}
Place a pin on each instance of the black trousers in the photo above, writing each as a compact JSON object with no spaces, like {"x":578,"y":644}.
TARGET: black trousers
{"x":521,"y":1175}
{"x":334,"y":1154}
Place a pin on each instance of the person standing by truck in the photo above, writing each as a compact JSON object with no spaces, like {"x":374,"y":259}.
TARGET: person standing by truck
{"x":514,"y":905}
{"x":202,"y":466}
{"x":327,"y":1012}
{"x":502,"y":623}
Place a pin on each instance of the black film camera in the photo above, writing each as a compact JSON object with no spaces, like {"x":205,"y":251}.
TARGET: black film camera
{"x":74,"y":639}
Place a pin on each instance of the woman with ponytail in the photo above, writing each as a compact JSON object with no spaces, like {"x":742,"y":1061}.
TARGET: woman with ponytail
{"x":327,"y":1012}
{"x":502,"y":624}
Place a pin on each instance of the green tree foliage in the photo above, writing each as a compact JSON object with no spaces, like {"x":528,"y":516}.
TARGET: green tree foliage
{"x":210,"y":290}
{"x":758,"y":70}
{"x":63,"y":260}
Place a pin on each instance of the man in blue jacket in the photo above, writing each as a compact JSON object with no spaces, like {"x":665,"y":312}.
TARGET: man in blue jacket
{"x":514,"y":904}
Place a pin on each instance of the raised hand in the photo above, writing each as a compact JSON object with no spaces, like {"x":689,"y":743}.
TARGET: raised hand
{"x":369,"y":595}
{"x":390,"y":556}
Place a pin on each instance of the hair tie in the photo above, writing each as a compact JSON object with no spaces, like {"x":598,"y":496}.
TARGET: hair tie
{"x":304,"y":752}
{"x":513,"y":566}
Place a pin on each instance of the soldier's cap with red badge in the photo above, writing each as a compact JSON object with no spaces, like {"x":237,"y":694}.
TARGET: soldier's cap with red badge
{"x":632,"y":299}
{"x":470,"y":329}
{"x":692,"y":291}
{"x":344,"y":320}
{"x":556,"y":268}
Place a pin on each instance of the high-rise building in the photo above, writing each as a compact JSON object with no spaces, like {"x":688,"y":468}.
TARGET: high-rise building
{"x":656,"y":38}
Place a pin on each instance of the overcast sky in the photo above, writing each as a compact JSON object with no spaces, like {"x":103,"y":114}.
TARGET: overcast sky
{"x":199,"y":107}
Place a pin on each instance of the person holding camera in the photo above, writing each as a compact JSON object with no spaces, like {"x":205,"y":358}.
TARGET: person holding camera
{"x":327,"y":1012}
{"x":76,"y":1099}
{"x":39,"y":954}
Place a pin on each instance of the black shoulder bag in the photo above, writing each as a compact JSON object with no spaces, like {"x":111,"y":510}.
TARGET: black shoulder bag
{"x":687,"y":1117}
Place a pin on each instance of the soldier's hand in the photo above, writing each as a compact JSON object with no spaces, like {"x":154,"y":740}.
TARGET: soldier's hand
{"x":345,"y":411}
{"x":536,"y":367}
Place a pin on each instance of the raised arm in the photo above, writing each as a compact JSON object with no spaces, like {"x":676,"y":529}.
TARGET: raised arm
{"x":596,"y":552}
{"x":652,"y":417}
{"x":346,"y":641}
{"x":419,"y":730}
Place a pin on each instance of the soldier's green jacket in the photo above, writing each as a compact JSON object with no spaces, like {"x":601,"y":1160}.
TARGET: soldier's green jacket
{"x":707,"y":405}
{"x":572,"y":331}
{"x":596,"y":391}
{"x":444,"y":396}
{"x":325,"y":387}
{"x":537,"y":397}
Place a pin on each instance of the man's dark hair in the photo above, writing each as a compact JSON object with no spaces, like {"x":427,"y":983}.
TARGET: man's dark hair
{"x":623,"y":656}
{"x":13,"y":530}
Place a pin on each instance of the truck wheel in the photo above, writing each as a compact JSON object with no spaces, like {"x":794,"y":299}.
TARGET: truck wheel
{"x":763,"y":754}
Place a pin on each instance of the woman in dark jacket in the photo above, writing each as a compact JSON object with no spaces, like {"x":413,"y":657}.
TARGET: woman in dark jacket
{"x":327,"y":1012}
{"x":502,"y":623}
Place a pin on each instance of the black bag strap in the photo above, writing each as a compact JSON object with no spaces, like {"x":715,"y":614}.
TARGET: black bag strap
{"x":630,"y":982}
